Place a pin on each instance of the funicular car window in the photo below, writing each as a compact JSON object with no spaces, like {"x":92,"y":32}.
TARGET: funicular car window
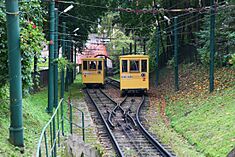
{"x":124,"y":65}
{"x":143,"y":65}
{"x":134,"y":66}
{"x":100,"y":65}
{"x":92,"y":65}
{"x":84,"y":65}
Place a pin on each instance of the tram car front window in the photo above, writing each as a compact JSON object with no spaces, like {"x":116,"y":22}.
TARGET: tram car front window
{"x":84,"y":65}
{"x":134,"y":66}
{"x":144,"y":67}
{"x":92,"y":65}
{"x":100,"y":65}
{"x":124,"y":66}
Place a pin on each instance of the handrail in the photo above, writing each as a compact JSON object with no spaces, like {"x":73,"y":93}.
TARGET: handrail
{"x":54,"y":127}
{"x":45,"y":127}
{"x":83,"y":119}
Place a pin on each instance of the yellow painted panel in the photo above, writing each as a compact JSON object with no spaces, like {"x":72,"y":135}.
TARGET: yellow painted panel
{"x":93,"y":75}
{"x":134,"y":80}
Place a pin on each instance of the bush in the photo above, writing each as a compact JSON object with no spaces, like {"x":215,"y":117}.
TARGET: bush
{"x":31,"y":40}
{"x":232,"y":60}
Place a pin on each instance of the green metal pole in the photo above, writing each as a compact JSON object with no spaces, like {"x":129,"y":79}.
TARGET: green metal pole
{"x":75,"y":61}
{"x":176,"y":53}
{"x":14,"y":56}
{"x":62,"y":117}
{"x":62,"y":77}
{"x":69,"y":59}
{"x":71,"y":117}
{"x":67,"y":70}
{"x":63,"y":55}
{"x":123,"y":51}
{"x":212,"y":44}
{"x":56,"y":57}
{"x":157,"y":55}
{"x":51,"y":58}
{"x":72,"y":57}
{"x":83,"y":127}
{"x":54,"y":135}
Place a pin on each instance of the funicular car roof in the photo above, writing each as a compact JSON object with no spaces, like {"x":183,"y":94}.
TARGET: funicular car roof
{"x":134,"y":56}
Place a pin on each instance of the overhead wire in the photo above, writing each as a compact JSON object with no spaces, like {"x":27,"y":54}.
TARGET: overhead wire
{"x":164,"y":31}
{"x":198,"y":19}
{"x":145,"y":26}
{"x":170,"y":27}
{"x":181,"y":15}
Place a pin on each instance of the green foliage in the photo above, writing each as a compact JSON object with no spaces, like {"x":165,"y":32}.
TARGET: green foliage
{"x":4,"y":93}
{"x":32,"y":39}
{"x":31,"y":45}
{"x":232,"y":60}
{"x":63,"y":63}
{"x":34,"y":116}
{"x":225,"y":37}
{"x":171,"y":62}
{"x":84,"y":17}
{"x":115,"y":46}
{"x":119,"y":38}
{"x":3,"y":49}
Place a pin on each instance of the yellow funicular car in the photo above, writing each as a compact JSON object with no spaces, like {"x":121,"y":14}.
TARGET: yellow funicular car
{"x":93,"y":71}
{"x":134,"y":73}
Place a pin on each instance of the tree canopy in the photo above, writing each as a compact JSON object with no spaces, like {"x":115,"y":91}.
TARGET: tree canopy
{"x":124,"y":22}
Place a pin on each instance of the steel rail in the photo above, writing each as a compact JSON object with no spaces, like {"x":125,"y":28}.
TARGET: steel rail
{"x":112,"y":138}
{"x":155,"y":142}
{"x":131,"y":119}
{"x":131,"y":140}
{"x":116,"y":81}
{"x":113,"y":112}
{"x":108,"y":97}
{"x":109,"y":119}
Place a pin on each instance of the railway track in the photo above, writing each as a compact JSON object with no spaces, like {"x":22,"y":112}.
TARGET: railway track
{"x":121,"y":123}
{"x":99,"y":103}
{"x":113,"y":82}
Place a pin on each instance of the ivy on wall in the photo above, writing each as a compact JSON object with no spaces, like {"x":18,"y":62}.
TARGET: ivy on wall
{"x":31,"y":37}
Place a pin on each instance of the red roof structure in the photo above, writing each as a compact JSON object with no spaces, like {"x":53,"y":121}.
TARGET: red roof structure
{"x":92,"y":50}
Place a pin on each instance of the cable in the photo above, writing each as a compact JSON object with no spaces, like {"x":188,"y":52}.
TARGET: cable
{"x":162,"y":20}
{"x":162,"y":31}
{"x":152,"y":11}
{"x":85,"y":5}
{"x":198,"y":19}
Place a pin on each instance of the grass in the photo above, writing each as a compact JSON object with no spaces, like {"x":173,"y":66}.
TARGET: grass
{"x":117,"y":77}
{"x":168,"y":136}
{"x":75,"y":89}
{"x":34,"y":119}
{"x":200,"y":123}
{"x":207,"y":122}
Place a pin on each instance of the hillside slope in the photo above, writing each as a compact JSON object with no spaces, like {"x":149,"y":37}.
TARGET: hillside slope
{"x":34,"y":118}
{"x":203,"y":120}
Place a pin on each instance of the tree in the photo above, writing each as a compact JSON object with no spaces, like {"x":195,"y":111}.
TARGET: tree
{"x":225,"y":37}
